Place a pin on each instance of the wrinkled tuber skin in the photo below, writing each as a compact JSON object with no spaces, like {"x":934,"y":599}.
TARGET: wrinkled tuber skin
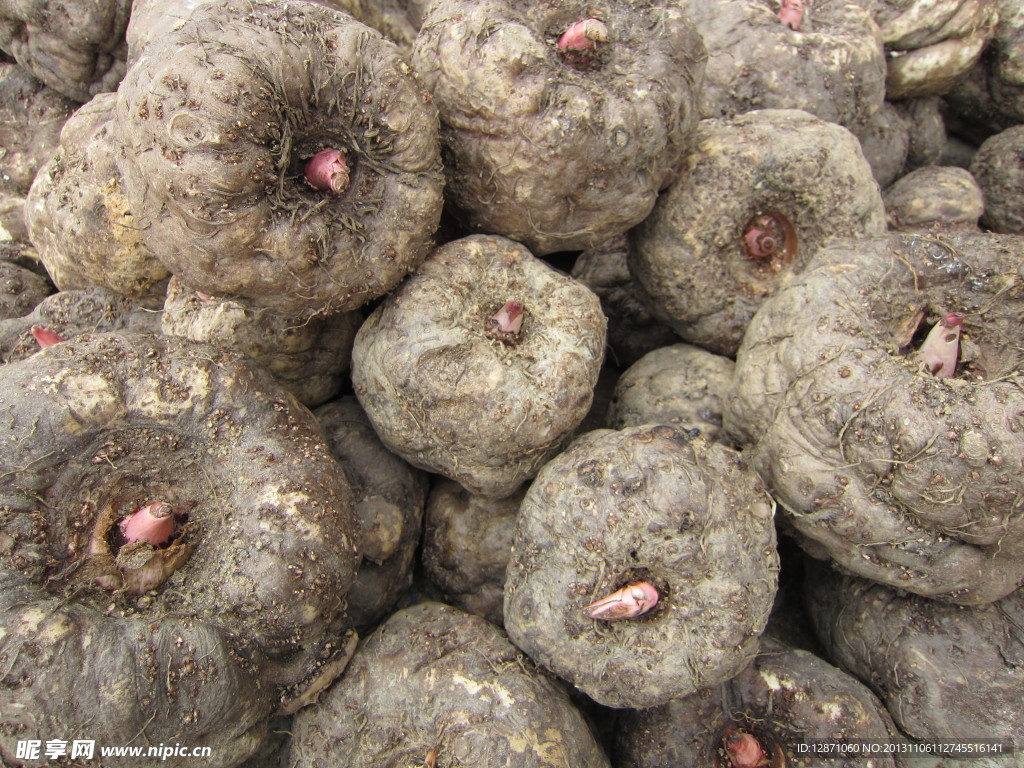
{"x":927,"y":131}
{"x":897,"y":475}
{"x":632,"y":331}
{"x":999,"y":170}
{"x":31,"y":116}
{"x":932,"y":44}
{"x":79,"y":218}
{"x":885,"y":143}
{"x":944,"y":671}
{"x":75,"y":47}
{"x":682,"y":385}
{"x":390,"y":497}
{"x":73,"y":669}
{"x":20,"y":291}
{"x":102,"y":425}
{"x":832,"y":67}
{"x":273,"y":752}
{"x":555,"y":151}
{"x":310,"y":358}
{"x":786,"y":698}
{"x":691,"y":264}
{"x":220,"y":118}
{"x":644,"y":504}
{"x":991,"y":98}
{"x":448,"y":397}
{"x":436,"y":686}
{"x":934,"y":199}
{"x":72,"y":313}
{"x":467,"y":541}
{"x":386,"y":16}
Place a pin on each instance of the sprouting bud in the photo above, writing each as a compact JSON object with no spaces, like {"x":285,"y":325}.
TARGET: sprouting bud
{"x":941,"y":348}
{"x":45,"y":337}
{"x":153,"y":523}
{"x":744,"y":751}
{"x":583,"y":36}
{"x":631,"y":601}
{"x":507,"y":323}
{"x":327,"y":171}
{"x":791,"y":13}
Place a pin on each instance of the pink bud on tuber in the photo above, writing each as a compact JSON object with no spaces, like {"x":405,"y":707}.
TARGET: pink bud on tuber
{"x":153,"y":523}
{"x":745,"y":751}
{"x":941,"y":347}
{"x":45,"y":337}
{"x":327,"y":171}
{"x":791,"y":13}
{"x":765,"y":236}
{"x":583,"y":36}
{"x":629,"y":602}
{"x":507,"y":323}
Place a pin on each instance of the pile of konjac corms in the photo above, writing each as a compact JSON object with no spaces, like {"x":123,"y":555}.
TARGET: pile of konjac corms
{"x":508,"y":383}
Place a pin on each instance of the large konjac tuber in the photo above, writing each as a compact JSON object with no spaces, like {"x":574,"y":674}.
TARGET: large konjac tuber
{"x":560,"y":121}
{"x":436,"y":687}
{"x":643,"y":566}
{"x":221,"y":118}
{"x":176,"y":546}
{"x":481,"y":364}
{"x":77,"y":47}
{"x":762,"y":192}
{"x":879,"y":395}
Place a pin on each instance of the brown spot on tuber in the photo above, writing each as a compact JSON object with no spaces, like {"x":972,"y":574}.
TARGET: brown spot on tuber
{"x":634,"y":599}
{"x":327,"y":171}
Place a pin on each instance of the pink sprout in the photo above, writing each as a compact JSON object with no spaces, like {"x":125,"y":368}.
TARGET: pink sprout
{"x":631,"y":601}
{"x":327,"y":171}
{"x":45,"y":337}
{"x":941,"y":348}
{"x":583,"y":36}
{"x":153,"y":523}
{"x":791,"y":13}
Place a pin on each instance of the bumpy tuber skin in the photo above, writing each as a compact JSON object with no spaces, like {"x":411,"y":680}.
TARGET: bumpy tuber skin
{"x":559,"y":130}
{"x":76,"y":47}
{"x":761,"y":718}
{"x":943,"y":671}
{"x":834,"y":68}
{"x":309,"y":357}
{"x":934,"y":199}
{"x":80,"y":219}
{"x":895,"y":474}
{"x":1000,"y":174}
{"x":436,"y":686}
{"x":634,"y":599}
{"x":941,"y":348}
{"x":219,"y":181}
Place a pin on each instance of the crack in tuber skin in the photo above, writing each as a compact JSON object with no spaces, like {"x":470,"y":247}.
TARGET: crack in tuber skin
{"x":583,"y":36}
{"x":941,"y":347}
{"x":45,"y":337}
{"x":791,"y":13}
{"x":632,"y":600}
{"x":745,"y":751}
{"x":327,"y":171}
{"x":506,"y":325}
